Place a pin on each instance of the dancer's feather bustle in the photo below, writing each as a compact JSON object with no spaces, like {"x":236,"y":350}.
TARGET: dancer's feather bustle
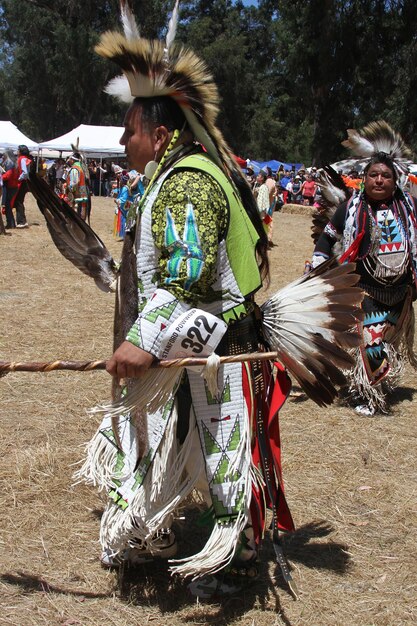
{"x":332,"y":185}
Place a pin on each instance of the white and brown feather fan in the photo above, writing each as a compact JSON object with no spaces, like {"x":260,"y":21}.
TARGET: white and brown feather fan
{"x":75,"y":239}
{"x":312,"y":324}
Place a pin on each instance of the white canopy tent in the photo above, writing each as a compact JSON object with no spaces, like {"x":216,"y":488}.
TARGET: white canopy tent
{"x":11,"y":137}
{"x":94,"y":141}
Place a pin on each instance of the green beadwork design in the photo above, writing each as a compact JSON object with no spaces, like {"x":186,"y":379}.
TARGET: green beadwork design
{"x":134,"y":337}
{"x":234,"y":439}
{"x":190,"y":275}
{"x":142,"y":469}
{"x":223,"y":515}
{"x":109,"y":434}
{"x":117,"y":499}
{"x":221,"y":474}
{"x":210,"y":444}
{"x":164,"y":311}
{"x":225,"y":395}
{"x":167,"y":409}
{"x":219,"y":509}
{"x":119,"y":465}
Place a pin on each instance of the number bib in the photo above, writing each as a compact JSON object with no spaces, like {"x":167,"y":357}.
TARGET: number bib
{"x":194,"y":333}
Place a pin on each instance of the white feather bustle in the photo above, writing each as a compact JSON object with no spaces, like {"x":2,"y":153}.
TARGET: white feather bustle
{"x":333,"y":195}
{"x":302,"y":323}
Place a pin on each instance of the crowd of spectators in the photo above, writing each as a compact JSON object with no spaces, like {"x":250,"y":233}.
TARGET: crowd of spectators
{"x":287,"y":186}
{"x":102,"y":178}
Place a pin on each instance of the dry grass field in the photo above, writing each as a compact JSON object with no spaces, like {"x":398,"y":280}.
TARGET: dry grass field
{"x":351,"y":481}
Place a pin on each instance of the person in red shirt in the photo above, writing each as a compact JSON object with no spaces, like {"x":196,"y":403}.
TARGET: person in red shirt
{"x":23,"y":163}
{"x":308,"y":190}
{"x":10,"y":185}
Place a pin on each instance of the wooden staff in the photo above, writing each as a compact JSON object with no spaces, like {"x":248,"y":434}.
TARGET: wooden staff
{"x":88,"y":366}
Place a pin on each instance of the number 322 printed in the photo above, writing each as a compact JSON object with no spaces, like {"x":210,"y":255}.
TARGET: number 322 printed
{"x":198,"y":335}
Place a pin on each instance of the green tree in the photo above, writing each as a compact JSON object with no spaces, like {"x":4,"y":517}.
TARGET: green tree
{"x":236,"y":43}
{"x":292,"y":76}
{"x":401,"y":103}
{"x":345,"y":66}
{"x":54,"y":78}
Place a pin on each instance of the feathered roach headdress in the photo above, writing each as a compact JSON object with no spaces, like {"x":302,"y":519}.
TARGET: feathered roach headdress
{"x":156,"y":68}
{"x":379,"y":137}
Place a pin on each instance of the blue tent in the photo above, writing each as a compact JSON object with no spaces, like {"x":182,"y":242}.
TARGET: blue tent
{"x":274,"y":165}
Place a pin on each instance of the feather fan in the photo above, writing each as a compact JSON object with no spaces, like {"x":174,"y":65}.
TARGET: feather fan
{"x":75,"y":239}
{"x":312,"y":322}
{"x":333,"y":193}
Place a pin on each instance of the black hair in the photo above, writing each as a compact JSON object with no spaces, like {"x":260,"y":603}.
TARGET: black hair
{"x":24,"y":150}
{"x":161,"y":110}
{"x":385,"y":159}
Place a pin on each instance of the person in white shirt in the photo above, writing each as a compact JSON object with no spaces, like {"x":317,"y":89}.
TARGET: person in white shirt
{"x":264,"y":204}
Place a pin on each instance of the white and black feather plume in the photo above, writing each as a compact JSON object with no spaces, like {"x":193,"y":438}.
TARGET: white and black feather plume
{"x":153,"y":68}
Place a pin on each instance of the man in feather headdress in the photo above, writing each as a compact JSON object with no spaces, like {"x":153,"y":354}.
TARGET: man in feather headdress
{"x":194,"y":255}
{"x":77,"y":185}
{"x":376,"y":228}
{"x":201,"y":254}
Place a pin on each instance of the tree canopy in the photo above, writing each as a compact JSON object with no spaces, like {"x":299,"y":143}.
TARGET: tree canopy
{"x":293,"y":76}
